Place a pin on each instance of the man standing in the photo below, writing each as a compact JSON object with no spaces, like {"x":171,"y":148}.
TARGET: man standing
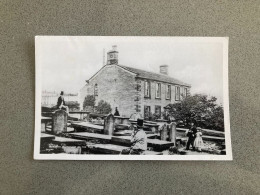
{"x":191,"y":133}
{"x":61,"y":103}
{"x":138,"y":140}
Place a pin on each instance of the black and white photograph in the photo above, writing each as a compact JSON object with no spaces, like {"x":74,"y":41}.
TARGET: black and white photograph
{"x":131,"y":98}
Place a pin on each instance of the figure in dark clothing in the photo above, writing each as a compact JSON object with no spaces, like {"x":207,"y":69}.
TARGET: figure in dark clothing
{"x":61,"y":103}
{"x":116,"y":113}
{"x":191,"y":134}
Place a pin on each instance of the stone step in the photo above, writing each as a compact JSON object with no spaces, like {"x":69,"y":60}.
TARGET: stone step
{"x":47,"y":137}
{"x":212,"y":138}
{"x":106,"y":148}
{"x":123,"y":133}
{"x":158,"y":145}
{"x":87,"y":136}
{"x":149,"y":134}
{"x":122,"y":127}
{"x":86,"y":126}
{"x":68,"y":141}
{"x":114,"y":149}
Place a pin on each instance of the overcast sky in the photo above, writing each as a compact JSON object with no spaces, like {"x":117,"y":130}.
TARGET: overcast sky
{"x":66,"y":62}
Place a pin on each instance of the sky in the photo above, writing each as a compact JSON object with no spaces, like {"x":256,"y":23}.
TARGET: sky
{"x":66,"y":62}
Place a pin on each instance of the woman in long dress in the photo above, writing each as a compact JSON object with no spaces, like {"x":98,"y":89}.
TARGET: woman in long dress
{"x":198,"y":142}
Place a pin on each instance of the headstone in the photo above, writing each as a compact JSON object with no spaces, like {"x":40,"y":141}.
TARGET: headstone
{"x":59,"y":121}
{"x":135,"y":116}
{"x":118,"y":120}
{"x":81,"y":116}
{"x":109,"y":124}
{"x":164,"y":132}
{"x":173,"y":133}
{"x":43,"y":127}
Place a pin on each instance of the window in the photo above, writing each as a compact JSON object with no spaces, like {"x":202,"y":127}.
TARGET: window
{"x":147,"y":89}
{"x":177,"y":93}
{"x":158,"y":111}
{"x":96,"y":90}
{"x":158,"y":90}
{"x":185,"y":92}
{"x":147,"y":110}
{"x":168,"y":92}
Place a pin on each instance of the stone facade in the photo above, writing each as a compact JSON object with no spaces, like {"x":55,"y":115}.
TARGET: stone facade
{"x":126,"y":91}
{"x":152,"y":101}
{"x":115,"y":86}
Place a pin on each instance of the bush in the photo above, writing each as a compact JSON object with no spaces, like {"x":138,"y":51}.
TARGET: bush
{"x":201,"y":108}
{"x":103,"y":107}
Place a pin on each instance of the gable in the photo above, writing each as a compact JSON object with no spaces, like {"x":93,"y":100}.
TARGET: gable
{"x":109,"y":66}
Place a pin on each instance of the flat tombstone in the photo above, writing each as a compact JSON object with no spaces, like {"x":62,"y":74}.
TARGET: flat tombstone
{"x":125,"y":121}
{"x":109,"y":124}
{"x":59,"y":121}
{"x":173,"y":133}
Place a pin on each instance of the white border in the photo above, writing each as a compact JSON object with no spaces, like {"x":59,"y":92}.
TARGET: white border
{"x":38,"y":156}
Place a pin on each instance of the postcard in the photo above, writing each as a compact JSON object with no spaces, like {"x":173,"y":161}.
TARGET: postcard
{"x":131,"y":98}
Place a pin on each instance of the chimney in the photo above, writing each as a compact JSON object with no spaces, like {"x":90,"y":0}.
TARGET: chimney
{"x":112,"y":56}
{"x":114,"y":47}
{"x":164,"y":69}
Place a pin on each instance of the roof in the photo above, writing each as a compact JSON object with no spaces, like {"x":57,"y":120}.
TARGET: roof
{"x":154,"y":76}
{"x":112,"y":51}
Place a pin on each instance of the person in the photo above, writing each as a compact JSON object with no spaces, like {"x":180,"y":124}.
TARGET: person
{"x":198,"y":142}
{"x":138,"y":140}
{"x":116,"y":113}
{"x":191,"y":136}
{"x":61,"y":103}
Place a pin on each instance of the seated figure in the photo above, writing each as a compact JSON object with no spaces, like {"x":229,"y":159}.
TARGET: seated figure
{"x":61,"y":103}
{"x":138,"y":140}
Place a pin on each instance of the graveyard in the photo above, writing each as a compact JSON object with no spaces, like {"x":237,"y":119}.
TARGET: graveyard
{"x":109,"y":134}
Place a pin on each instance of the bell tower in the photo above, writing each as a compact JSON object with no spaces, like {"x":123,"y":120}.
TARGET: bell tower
{"x":112,"y":56}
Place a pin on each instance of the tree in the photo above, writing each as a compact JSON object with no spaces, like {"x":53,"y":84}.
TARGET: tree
{"x":89,"y":101}
{"x":103,"y":107}
{"x":73,"y":105}
{"x":201,"y":108}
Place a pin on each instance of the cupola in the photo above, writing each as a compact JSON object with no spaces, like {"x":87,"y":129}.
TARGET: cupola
{"x":112,"y":56}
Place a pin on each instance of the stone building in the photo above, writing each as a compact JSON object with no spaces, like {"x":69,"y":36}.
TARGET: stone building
{"x":133,"y":90}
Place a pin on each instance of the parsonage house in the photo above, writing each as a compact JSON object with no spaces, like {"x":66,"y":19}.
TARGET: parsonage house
{"x":133,"y":90}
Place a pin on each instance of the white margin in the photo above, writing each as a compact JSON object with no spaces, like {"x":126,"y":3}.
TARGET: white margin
{"x":37,"y":132}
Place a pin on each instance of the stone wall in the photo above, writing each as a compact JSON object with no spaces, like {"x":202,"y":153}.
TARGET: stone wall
{"x":115,"y":86}
{"x":122,"y":89}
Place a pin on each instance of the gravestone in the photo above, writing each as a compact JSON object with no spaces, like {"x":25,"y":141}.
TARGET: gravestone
{"x":135,"y":116}
{"x":118,"y":120}
{"x":173,"y":133}
{"x":43,"y":127}
{"x":164,"y":132}
{"x":109,"y":124}
{"x":59,"y":121}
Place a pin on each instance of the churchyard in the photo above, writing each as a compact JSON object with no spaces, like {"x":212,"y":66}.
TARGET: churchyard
{"x":109,"y":134}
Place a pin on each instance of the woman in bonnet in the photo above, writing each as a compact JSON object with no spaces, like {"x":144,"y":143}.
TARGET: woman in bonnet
{"x":198,"y":142}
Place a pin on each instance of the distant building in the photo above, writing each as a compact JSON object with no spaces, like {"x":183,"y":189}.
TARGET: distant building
{"x":50,"y":98}
{"x":133,"y":90}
